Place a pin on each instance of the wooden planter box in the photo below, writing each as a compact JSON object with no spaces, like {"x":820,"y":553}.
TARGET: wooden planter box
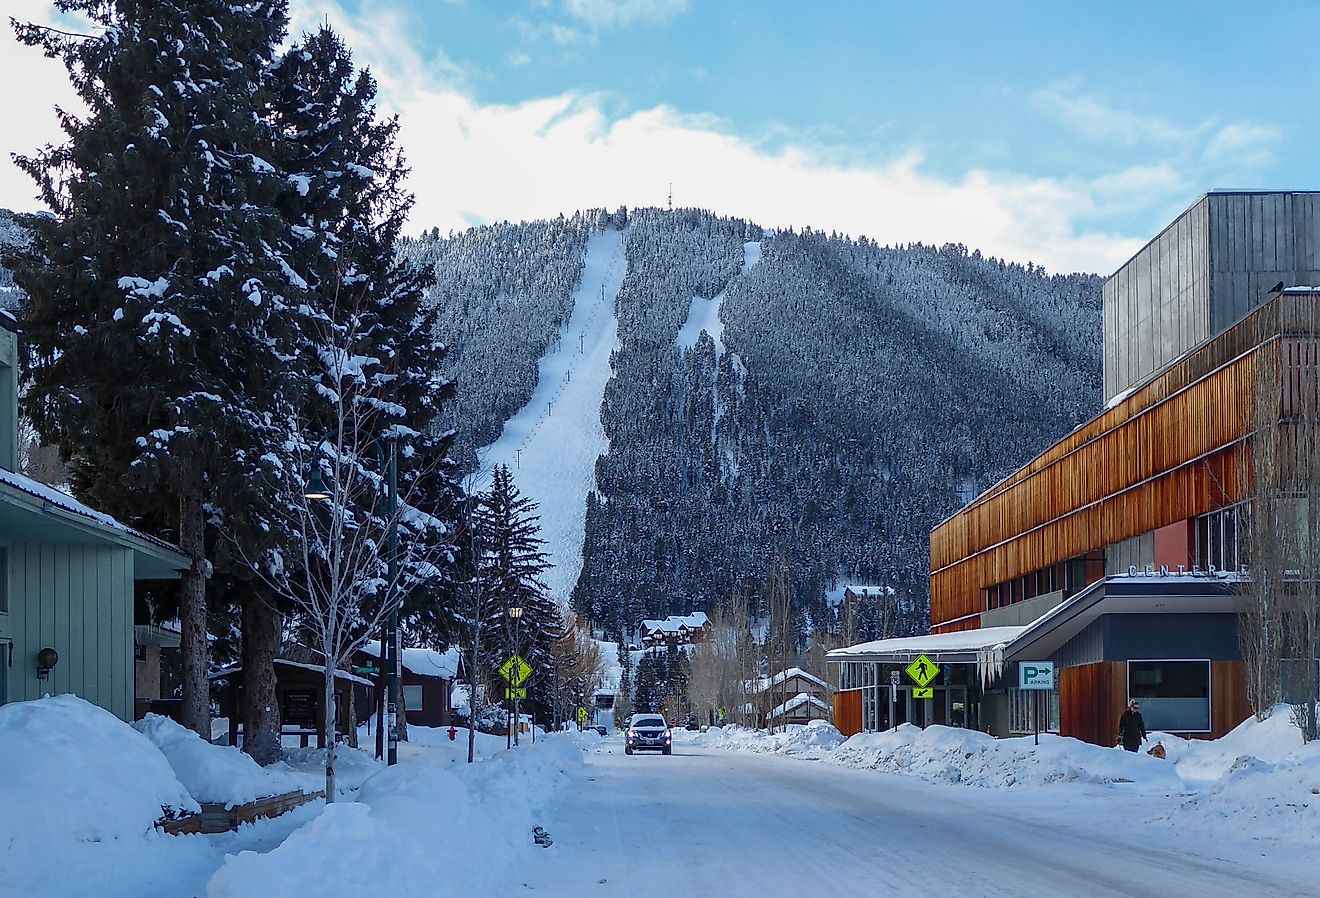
{"x":216,"y":818}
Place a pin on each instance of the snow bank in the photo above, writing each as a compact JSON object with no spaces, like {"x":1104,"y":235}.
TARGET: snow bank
{"x":214,"y":773}
{"x":70,"y":773}
{"x":426,"y":828}
{"x":955,"y":755}
{"x":1260,"y":779}
{"x":813,"y":739}
{"x":306,"y":768}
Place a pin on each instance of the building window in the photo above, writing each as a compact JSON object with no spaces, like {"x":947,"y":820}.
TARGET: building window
{"x":1221,"y":539}
{"x":1174,"y":695}
{"x":412,"y":698}
{"x":1026,"y":704}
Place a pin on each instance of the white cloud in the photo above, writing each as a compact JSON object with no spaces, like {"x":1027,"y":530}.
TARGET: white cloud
{"x":1095,"y":118}
{"x":1236,"y":145}
{"x":602,"y":14}
{"x":1243,"y":145}
{"x":36,"y":86}
{"x":477,"y":162}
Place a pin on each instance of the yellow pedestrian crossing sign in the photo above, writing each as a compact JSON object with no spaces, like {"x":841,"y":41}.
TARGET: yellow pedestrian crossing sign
{"x":582,"y":715}
{"x":926,"y":692}
{"x":923,"y":672}
{"x":515,"y":671}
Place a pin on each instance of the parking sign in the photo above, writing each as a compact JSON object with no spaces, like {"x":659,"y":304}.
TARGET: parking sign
{"x":1036,"y":675}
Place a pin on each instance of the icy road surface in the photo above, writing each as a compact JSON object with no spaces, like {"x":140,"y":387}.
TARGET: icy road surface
{"x":712,"y":822}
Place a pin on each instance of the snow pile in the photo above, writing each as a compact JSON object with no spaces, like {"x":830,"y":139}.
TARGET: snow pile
{"x":426,"y":828}
{"x":72,"y":773}
{"x":812,"y":739}
{"x":1260,"y":778}
{"x":305,"y":767}
{"x":956,"y":755}
{"x":217,"y":774}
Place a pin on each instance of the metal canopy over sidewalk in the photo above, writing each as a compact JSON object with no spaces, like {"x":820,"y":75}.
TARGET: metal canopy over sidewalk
{"x":964,"y":647}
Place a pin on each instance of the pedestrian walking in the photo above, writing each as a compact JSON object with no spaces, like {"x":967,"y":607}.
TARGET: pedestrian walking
{"x":1132,"y":727}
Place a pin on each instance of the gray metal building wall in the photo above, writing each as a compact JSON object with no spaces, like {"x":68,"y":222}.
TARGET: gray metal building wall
{"x":1211,"y":266}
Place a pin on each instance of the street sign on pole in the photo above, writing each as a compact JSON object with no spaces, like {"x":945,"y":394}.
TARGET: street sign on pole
{"x":512,"y":692}
{"x":923,"y":671}
{"x":894,"y":677}
{"x":581,"y":716}
{"x":515,"y":671}
{"x":923,"y":692}
{"x":1034,"y":675}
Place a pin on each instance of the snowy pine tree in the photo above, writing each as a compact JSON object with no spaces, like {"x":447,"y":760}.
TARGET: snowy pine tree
{"x":512,"y":568}
{"x":161,"y":293}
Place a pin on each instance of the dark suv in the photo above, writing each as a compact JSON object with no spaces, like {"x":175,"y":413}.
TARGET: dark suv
{"x":648,"y":732}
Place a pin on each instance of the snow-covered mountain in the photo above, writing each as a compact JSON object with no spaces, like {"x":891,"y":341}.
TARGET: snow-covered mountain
{"x":691,"y":399}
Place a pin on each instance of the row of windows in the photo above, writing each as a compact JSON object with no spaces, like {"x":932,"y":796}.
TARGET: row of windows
{"x":1069,"y":576}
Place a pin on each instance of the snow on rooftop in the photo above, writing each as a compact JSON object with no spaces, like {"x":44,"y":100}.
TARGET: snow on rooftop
{"x":339,"y":674}
{"x":797,"y":701}
{"x":64,"y":501}
{"x":423,"y":662}
{"x":947,"y":643}
{"x":694,"y":621}
{"x":789,"y":674}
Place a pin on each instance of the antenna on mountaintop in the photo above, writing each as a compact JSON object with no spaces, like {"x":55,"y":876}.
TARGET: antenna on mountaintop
{"x":671,"y":196}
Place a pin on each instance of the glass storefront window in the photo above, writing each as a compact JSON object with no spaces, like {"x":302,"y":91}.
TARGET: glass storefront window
{"x":1174,"y":695}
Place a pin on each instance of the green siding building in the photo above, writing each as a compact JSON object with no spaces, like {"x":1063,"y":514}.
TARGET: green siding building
{"x":66,"y":577}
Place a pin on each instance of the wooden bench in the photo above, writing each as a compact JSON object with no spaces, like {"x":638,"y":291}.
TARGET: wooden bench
{"x":216,"y":818}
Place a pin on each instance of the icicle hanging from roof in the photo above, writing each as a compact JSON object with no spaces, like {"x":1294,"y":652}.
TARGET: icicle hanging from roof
{"x":990,"y":663}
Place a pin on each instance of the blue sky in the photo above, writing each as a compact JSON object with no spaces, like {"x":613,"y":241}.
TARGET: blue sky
{"x":1064,"y":133}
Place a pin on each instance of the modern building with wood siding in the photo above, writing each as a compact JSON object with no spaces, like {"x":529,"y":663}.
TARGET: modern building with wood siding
{"x":66,"y":578}
{"x":1116,"y":552}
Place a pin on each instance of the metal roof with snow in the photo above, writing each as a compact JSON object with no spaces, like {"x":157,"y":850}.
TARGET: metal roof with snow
{"x":964,"y":646}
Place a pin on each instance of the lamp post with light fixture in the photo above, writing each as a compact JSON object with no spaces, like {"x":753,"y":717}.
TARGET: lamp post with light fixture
{"x":315,"y":490}
{"x":515,"y":614}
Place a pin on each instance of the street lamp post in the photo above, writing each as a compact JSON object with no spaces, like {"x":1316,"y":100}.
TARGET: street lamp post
{"x":515,"y":614}
{"x":316,"y":491}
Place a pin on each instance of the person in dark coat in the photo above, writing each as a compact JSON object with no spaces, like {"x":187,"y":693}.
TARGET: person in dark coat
{"x":1132,"y":727}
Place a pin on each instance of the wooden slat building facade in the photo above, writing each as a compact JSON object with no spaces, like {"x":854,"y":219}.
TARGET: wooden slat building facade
{"x":1211,"y":332}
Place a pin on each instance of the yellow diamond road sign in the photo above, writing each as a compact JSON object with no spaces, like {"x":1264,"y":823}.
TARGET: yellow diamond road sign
{"x":582,"y":715}
{"x":923,"y":671}
{"x":515,"y":670}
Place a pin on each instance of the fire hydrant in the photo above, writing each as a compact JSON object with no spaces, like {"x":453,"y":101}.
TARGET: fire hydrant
{"x":453,"y":733}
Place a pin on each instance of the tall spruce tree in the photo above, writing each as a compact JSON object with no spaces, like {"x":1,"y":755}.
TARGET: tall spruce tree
{"x":163,"y":294}
{"x":367,"y":352}
{"x":512,"y":569}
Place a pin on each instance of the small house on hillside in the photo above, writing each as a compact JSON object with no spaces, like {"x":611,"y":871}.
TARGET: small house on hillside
{"x":675,"y":630}
{"x":66,"y":578}
{"x":427,"y":681}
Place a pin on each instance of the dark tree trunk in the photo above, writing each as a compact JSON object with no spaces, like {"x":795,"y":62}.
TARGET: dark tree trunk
{"x":260,"y":705}
{"x":192,"y":616}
